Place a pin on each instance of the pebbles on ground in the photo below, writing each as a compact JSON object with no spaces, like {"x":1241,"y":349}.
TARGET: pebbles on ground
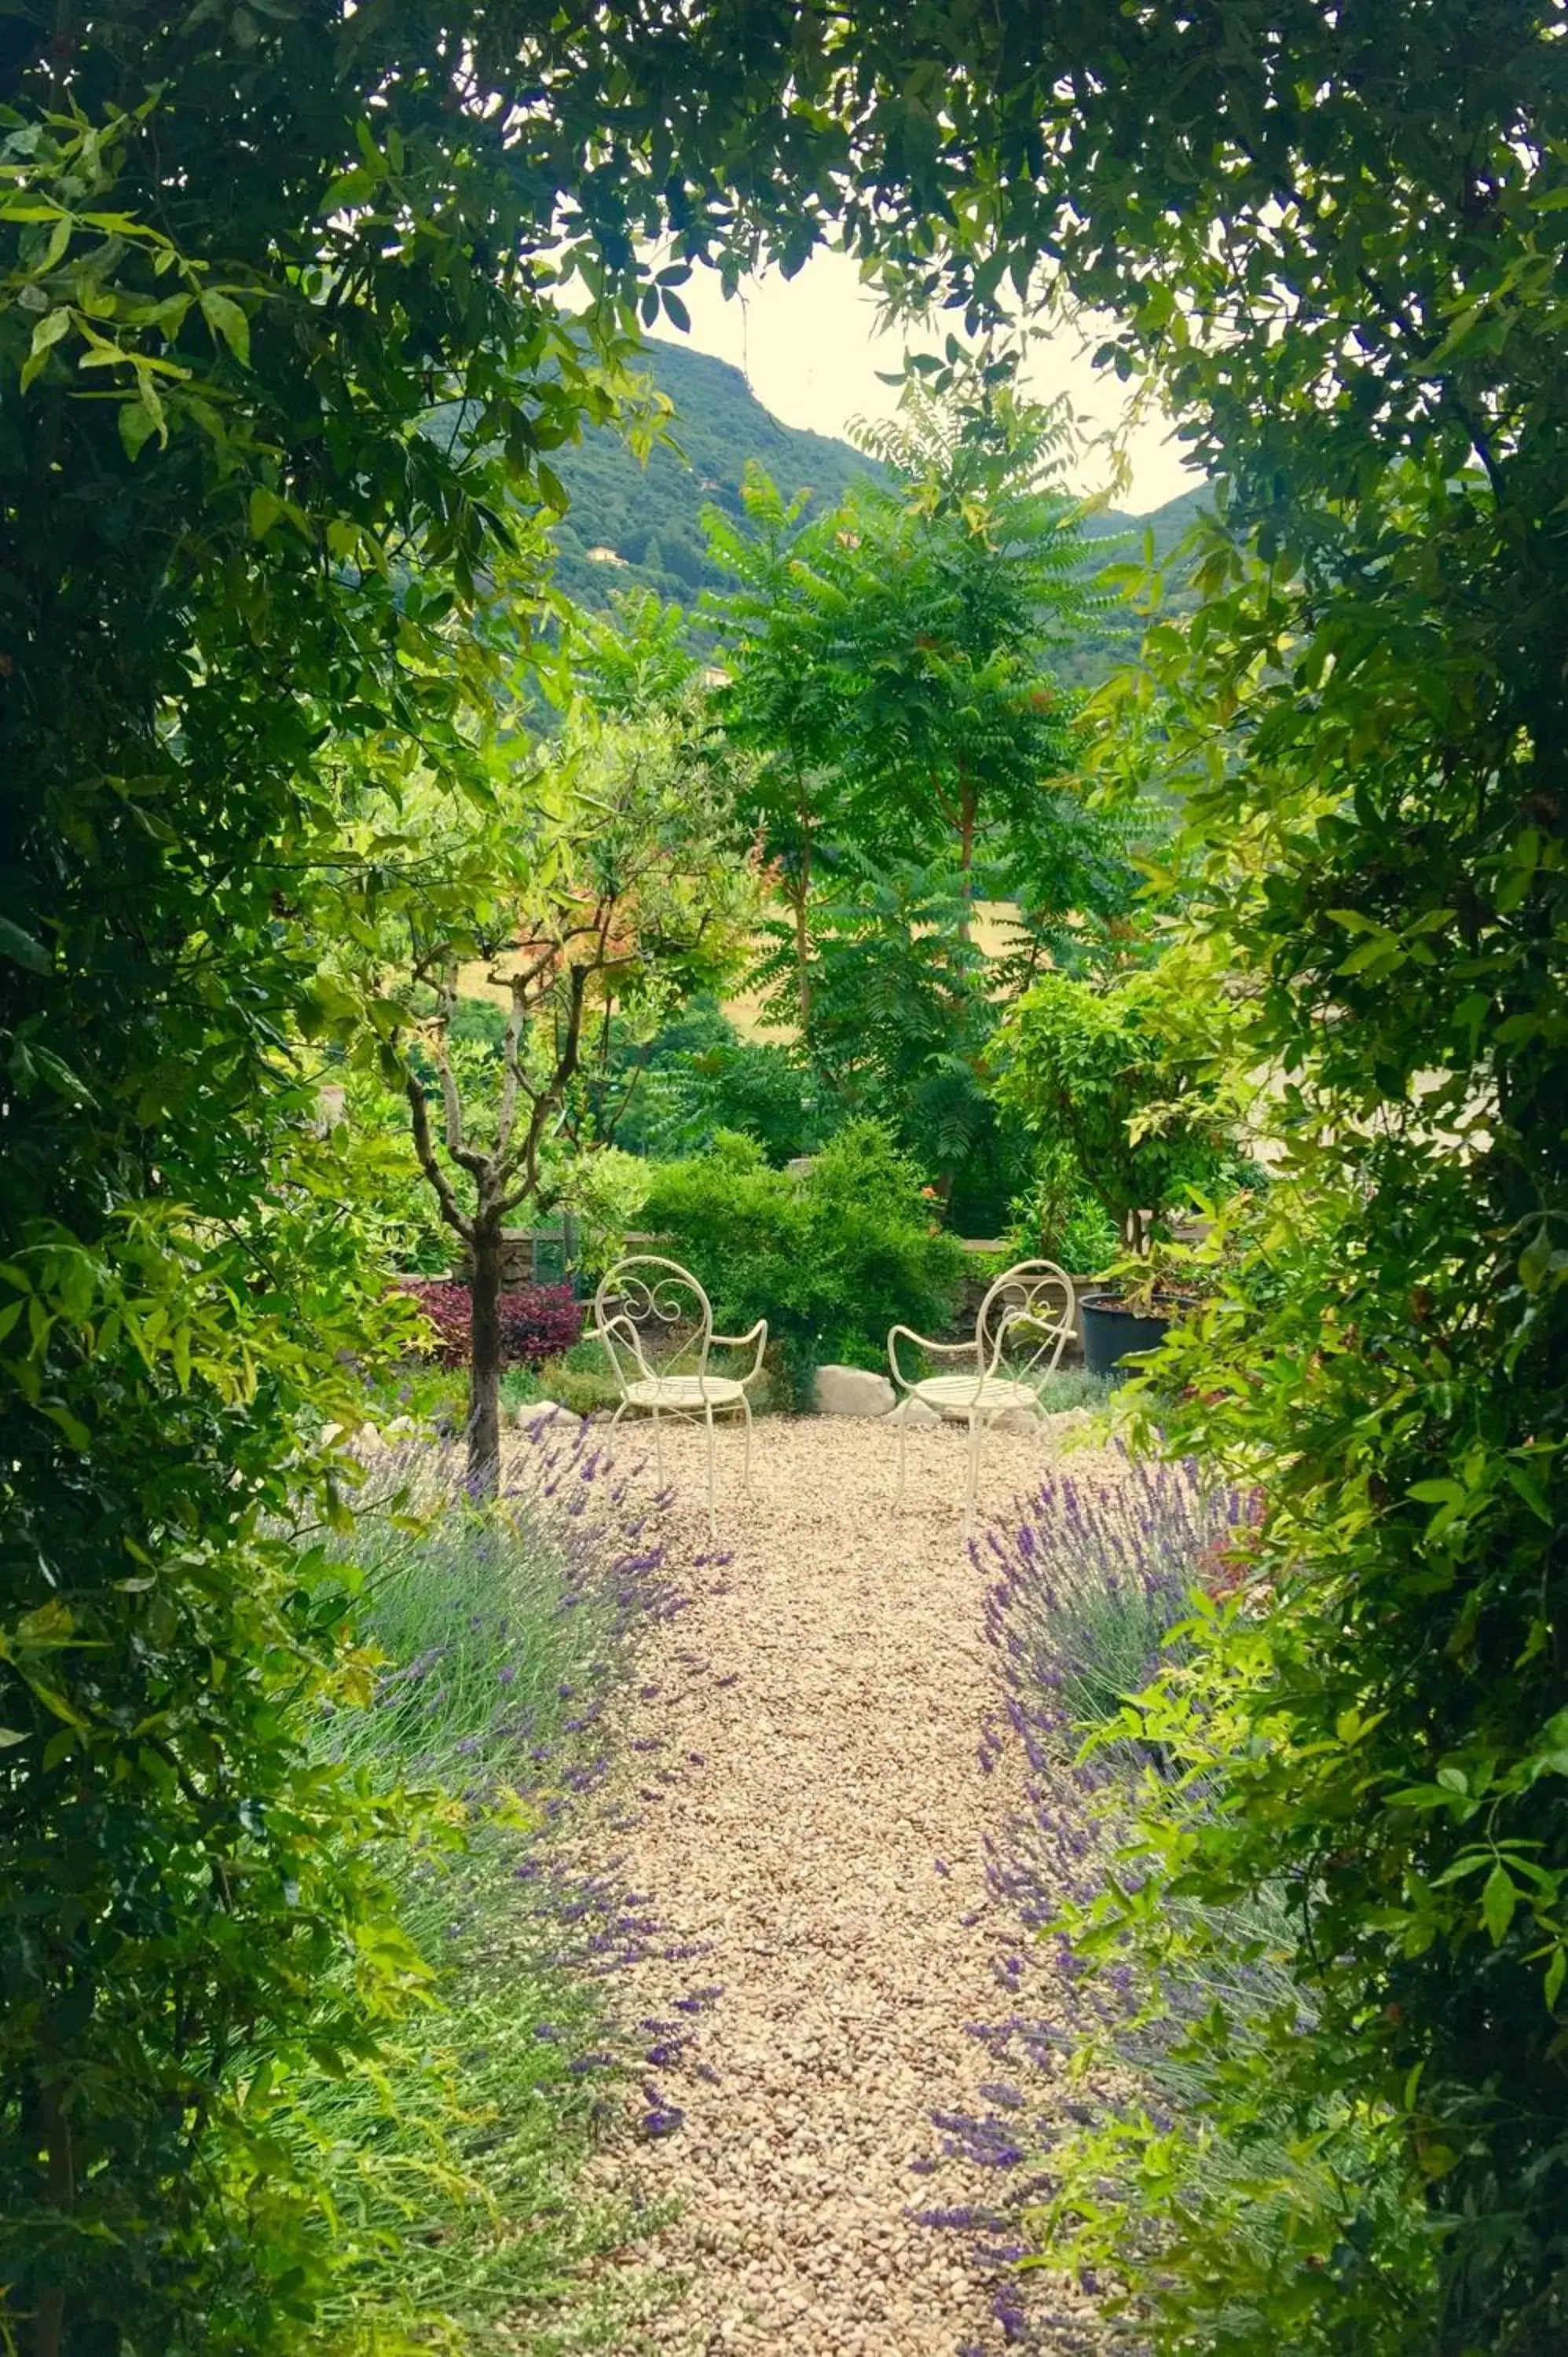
{"x":804,"y":1805}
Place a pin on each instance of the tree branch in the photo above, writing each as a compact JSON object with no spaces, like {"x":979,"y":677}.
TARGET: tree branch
{"x":510,"y":1052}
{"x":548,"y":1098}
{"x":424,"y":1148}
{"x":449,"y":1098}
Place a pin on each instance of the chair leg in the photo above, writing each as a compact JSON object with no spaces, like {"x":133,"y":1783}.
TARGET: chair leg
{"x":658,"y":1449}
{"x":973,"y":1482}
{"x":713,"y":1517}
{"x":745,"y":1463}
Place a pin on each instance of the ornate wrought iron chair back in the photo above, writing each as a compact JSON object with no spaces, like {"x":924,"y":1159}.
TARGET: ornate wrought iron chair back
{"x":1018,"y":1339}
{"x":655,"y":1324}
{"x":1024,"y":1321}
{"x":654,"y":1319}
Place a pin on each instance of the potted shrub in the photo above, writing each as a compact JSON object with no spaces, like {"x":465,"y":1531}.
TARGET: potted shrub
{"x":1131,"y":1311}
{"x":1107,"y":1075}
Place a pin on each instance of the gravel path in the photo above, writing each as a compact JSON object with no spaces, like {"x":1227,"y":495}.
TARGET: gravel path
{"x":809,"y":1819}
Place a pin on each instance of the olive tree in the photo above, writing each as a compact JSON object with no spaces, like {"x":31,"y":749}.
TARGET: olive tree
{"x":608,"y":875}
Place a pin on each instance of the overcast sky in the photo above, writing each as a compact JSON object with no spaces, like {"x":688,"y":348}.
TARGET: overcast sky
{"x":811,"y":352}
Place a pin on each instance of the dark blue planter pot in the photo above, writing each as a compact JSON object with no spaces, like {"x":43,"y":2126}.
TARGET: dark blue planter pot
{"x":1111,"y":1333}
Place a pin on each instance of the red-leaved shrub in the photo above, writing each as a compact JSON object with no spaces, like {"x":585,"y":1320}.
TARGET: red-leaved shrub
{"x":538,"y":1321}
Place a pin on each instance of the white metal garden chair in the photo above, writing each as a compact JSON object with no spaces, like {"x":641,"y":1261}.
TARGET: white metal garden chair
{"x":1018,"y":1339}
{"x":657,"y":1327}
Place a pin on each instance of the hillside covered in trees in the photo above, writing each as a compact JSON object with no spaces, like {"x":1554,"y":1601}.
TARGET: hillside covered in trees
{"x":634,"y":525}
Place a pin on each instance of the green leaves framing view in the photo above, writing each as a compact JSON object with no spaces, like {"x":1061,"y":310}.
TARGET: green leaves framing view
{"x":301,"y":747}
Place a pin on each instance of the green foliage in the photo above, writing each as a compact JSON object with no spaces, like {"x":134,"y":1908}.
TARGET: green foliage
{"x":587,"y":1388}
{"x":661,"y":1081}
{"x":1060,"y":1217}
{"x":1339,"y":256}
{"x":600,"y":1187}
{"x":635,"y":663}
{"x":647,"y":512}
{"x":478,"y":1023}
{"x":243,"y":257}
{"x":607,"y":872}
{"x":739,"y":1225}
{"x":890,"y":659}
{"x":1336,"y":242}
{"x":765,"y":1089}
{"x":1104,"y":1071}
{"x":603,"y":1193}
{"x":698,"y":1076}
{"x":1218,"y":2188}
{"x":955,"y":587}
{"x":1073,"y":1388}
{"x":783,"y":697}
{"x":902,"y":1017}
{"x":195,"y":1909}
{"x":889,"y":665}
{"x":458,"y":2159}
{"x":402,"y":1219}
{"x":879,"y":1255}
{"x":832,"y":1260}
{"x":181,"y":1879}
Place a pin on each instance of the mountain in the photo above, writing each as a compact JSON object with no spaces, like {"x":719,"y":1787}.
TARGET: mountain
{"x":1112,"y":638}
{"x":634,"y":526}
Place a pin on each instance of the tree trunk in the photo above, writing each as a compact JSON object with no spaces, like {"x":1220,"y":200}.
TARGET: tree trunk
{"x":800,"y":898}
{"x":967,"y":816}
{"x":485,"y":1357}
{"x":803,"y":963}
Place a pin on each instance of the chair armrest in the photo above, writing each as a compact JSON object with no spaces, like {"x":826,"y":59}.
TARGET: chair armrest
{"x":924,"y":1342}
{"x":758,"y":1334}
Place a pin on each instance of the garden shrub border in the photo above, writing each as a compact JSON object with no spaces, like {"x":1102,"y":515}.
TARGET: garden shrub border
{"x":537,"y":1321}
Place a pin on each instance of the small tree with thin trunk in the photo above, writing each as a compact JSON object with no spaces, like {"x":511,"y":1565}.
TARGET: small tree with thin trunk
{"x":1131,"y":1092}
{"x":609,"y":875}
{"x":549,"y":990}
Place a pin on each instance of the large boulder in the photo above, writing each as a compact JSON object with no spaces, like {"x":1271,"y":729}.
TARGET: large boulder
{"x":850,"y":1391}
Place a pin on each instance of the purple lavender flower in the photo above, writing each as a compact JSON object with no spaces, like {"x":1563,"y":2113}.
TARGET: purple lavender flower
{"x":1078,"y":1596}
{"x":661,"y":2118}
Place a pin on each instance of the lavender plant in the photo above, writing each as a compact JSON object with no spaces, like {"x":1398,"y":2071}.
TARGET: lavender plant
{"x":498,"y":1627}
{"x":1087,"y":1593}
{"x":496,"y":1636}
{"x":1084,"y":1590}
{"x":1139,"y":2100}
